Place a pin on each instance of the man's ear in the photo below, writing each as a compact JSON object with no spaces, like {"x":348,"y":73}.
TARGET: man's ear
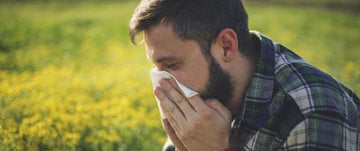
{"x":227,"y":40}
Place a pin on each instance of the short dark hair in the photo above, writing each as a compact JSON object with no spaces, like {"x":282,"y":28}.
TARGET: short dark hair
{"x":199,"y":20}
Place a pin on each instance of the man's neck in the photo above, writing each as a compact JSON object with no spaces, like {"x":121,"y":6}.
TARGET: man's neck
{"x":244,"y":75}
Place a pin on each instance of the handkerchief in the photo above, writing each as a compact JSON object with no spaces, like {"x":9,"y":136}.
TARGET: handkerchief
{"x":157,"y":75}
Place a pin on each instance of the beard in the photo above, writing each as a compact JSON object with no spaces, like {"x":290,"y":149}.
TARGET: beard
{"x":219,"y":85}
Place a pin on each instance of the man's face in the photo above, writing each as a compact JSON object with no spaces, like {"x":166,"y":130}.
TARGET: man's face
{"x":185,"y":60}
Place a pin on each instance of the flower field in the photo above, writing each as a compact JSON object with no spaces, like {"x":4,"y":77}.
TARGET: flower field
{"x":71,"y":80}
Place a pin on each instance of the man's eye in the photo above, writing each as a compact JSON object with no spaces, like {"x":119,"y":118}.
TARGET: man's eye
{"x":171,"y":66}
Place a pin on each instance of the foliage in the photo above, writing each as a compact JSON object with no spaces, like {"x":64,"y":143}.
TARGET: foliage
{"x":71,"y":80}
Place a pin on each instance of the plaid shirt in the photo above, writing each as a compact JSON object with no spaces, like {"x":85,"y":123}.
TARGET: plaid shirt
{"x":291,"y":105}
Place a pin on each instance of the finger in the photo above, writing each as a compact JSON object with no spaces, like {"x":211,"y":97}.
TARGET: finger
{"x":198,"y":103}
{"x":172,"y":135}
{"x":174,"y":124}
{"x":175,"y":85}
{"x":219,"y":108}
{"x":162,"y":114}
{"x":168,"y":108}
{"x":171,"y":89}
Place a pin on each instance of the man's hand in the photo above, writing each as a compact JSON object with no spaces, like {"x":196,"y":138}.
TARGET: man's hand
{"x":193,"y":123}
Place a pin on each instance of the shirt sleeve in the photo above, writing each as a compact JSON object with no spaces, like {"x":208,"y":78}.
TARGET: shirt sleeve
{"x":323,"y":133}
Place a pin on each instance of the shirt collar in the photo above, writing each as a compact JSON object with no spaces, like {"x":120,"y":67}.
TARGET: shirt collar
{"x":260,"y":90}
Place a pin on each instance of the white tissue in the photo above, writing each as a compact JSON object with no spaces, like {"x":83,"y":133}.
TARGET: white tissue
{"x":157,"y":75}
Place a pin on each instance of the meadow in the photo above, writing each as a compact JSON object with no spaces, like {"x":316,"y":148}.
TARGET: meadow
{"x":71,"y":80}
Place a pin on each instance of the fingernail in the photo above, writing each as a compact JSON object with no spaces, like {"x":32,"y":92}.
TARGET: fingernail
{"x":156,"y":90}
{"x":162,"y":82}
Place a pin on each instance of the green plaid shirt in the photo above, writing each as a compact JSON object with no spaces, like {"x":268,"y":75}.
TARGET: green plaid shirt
{"x":291,"y":105}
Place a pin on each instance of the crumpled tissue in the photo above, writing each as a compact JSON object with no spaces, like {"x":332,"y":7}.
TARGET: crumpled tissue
{"x":157,"y":75}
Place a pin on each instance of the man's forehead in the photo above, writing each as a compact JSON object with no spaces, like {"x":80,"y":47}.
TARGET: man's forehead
{"x":159,"y":28}
{"x":160,"y":56}
{"x":160,"y":41}
{"x":162,"y":44}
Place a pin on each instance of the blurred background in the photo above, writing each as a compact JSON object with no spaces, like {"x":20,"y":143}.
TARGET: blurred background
{"x":71,"y":80}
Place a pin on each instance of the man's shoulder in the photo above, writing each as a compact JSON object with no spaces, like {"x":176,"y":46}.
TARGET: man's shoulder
{"x":298,"y":78}
{"x":314,"y":91}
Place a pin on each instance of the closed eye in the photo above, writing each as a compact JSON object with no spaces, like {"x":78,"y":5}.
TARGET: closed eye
{"x":171,"y":66}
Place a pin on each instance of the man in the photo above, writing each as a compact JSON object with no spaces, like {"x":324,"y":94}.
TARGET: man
{"x":254,"y":94}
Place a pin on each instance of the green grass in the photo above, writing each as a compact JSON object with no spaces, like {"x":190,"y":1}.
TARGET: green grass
{"x":70,"y":79}
{"x":327,"y":39}
{"x":63,"y":29}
